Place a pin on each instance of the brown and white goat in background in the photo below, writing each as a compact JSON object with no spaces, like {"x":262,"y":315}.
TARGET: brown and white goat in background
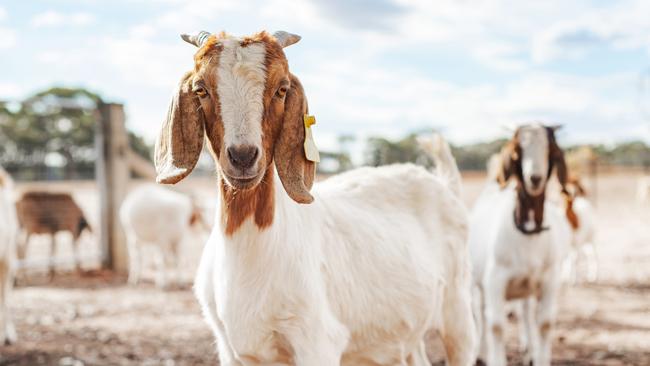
{"x":8,"y":237}
{"x":353,"y":272}
{"x":50,"y":213}
{"x":517,"y":242}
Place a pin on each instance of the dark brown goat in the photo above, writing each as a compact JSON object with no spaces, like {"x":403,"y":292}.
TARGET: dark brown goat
{"x":49,"y":213}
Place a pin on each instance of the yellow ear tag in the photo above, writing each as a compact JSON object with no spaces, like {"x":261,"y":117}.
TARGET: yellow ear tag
{"x":311,"y":151}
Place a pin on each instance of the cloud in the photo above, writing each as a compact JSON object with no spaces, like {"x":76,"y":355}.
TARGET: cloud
{"x":362,"y":14}
{"x":3,"y":13}
{"x":7,"y":37}
{"x":623,"y":26}
{"x":56,"y":19}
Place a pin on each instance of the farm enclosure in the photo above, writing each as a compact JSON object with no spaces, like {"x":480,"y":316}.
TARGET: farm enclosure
{"x":97,"y":320}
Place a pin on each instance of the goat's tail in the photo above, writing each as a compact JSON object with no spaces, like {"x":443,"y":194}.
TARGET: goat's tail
{"x":438,"y":149}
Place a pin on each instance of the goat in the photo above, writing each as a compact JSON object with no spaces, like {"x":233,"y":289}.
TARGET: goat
{"x":581,"y":216}
{"x":50,"y":213}
{"x":517,"y":241}
{"x":8,"y":234}
{"x":353,"y":272}
{"x":154,"y":215}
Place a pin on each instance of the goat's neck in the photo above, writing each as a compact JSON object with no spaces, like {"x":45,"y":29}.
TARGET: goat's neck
{"x":237,"y":205}
{"x":525,"y":206}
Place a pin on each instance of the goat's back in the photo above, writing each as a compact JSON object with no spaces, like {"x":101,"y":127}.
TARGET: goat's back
{"x":153,"y":213}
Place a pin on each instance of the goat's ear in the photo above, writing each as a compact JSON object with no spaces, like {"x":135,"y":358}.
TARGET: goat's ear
{"x":180,"y":141}
{"x":557,"y":159}
{"x":295,"y":171}
{"x":509,"y":161}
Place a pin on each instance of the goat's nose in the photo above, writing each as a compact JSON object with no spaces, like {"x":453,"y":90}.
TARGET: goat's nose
{"x":536,"y":180}
{"x":243,"y":156}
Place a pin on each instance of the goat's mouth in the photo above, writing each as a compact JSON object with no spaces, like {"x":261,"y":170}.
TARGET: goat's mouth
{"x":243,"y":182}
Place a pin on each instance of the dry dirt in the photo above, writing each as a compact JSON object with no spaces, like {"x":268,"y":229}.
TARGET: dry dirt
{"x":95,"y":319}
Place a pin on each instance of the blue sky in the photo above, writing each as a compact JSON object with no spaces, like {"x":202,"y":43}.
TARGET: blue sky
{"x":370,"y":67}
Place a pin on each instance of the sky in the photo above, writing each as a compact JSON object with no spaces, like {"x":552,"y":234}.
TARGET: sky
{"x":468,"y":68}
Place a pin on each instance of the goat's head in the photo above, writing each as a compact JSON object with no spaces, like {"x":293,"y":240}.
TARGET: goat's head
{"x":242,"y":97}
{"x":530,"y":157}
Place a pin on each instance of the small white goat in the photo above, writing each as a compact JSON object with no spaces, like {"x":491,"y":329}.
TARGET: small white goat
{"x":517,"y":242}
{"x":8,"y":237}
{"x":355,"y":274}
{"x":582,"y":219}
{"x":159,"y":217}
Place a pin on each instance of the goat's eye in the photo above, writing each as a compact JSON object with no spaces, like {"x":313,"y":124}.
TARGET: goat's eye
{"x":282,"y":91}
{"x":200,"y":91}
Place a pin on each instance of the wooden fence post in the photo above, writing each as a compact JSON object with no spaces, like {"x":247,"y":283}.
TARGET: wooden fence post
{"x":112,"y":174}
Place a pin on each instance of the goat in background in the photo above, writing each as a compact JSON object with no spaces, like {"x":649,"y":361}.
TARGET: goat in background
{"x":517,"y":242}
{"x":161,"y":218}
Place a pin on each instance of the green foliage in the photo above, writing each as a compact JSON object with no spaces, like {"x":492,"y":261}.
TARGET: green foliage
{"x":52,"y":134}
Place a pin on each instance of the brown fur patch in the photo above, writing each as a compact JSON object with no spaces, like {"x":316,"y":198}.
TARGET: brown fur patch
{"x":238,"y":205}
{"x":570,"y":214}
{"x":545,"y":329}
{"x":497,"y":330}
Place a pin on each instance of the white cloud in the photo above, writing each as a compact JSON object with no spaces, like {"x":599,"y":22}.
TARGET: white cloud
{"x":625,"y":25}
{"x":7,"y":37}
{"x":3,"y":13}
{"x":57,"y":19}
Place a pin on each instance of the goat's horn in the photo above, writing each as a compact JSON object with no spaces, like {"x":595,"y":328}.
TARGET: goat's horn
{"x":286,"y":39}
{"x":197,"y":39}
{"x":555,"y":127}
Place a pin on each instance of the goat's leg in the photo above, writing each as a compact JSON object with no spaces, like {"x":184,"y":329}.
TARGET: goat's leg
{"x":419,"y":356}
{"x":160,"y":266}
{"x":546,"y":312}
{"x":317,"y":341}
{"x":458,"y":328}
{"x":135,"y":260}
{"x":591,"y":258}
{"x":478,"y":308}
{"x":21,"y":247}
{"x":75,"y":252}
{"x":495,"y":319}
{"x":530,"y":336}
{"x":53,"y":250}
{"x":174,"y":261}
{"x":7,"y":330}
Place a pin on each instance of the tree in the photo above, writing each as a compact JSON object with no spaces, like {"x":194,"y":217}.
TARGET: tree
{"x":53,"y":132}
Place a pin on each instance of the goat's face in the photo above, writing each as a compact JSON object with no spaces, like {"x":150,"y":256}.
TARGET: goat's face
{"x":531,"y":155}
{"x":534,"y":145}
{"x":243,"y":98}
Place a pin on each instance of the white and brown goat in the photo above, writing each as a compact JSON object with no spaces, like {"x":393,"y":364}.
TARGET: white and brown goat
{"x":41,"y":212}
{"x":517,"y":243}
{"x":353,"y":272}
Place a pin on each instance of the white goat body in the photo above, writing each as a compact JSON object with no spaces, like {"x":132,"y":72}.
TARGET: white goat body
{"x":159,"y":217}
{"x":509,"y":265}
{"x":377,"y":260}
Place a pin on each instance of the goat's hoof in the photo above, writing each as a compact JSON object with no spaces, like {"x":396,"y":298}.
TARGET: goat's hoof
{"x":480,"y":362}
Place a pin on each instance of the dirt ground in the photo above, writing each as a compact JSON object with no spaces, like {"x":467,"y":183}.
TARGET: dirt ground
{"x":95,"y":319}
